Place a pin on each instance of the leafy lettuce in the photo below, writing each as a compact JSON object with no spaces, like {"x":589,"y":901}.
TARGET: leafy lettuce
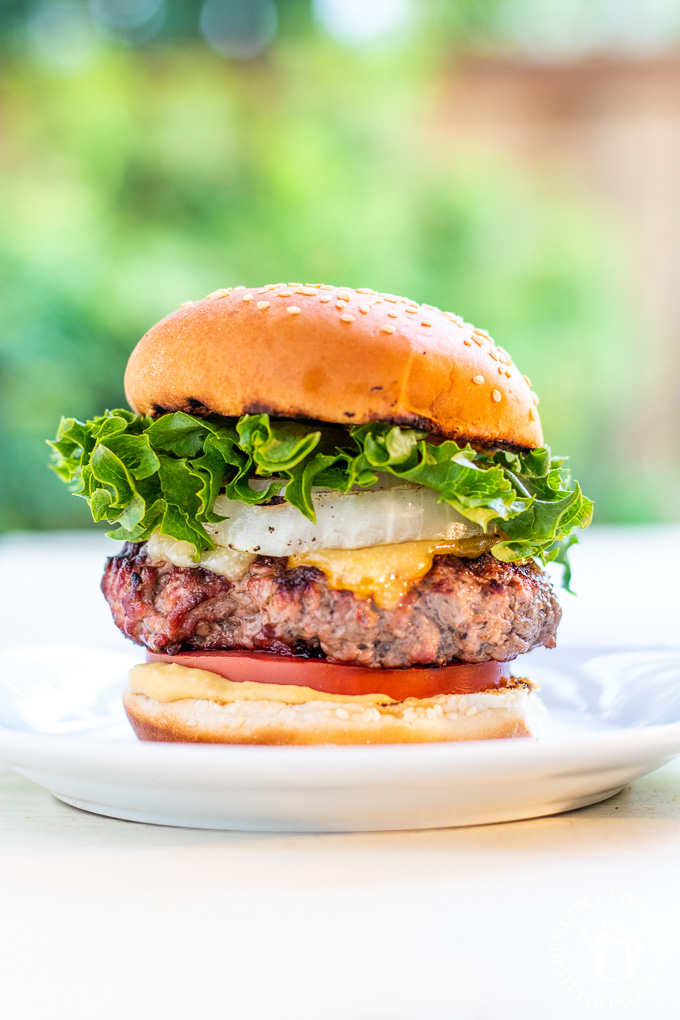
{"x":141,"y":474}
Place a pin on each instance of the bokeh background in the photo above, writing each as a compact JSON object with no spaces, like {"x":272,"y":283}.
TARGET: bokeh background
{"x":516,"y":161}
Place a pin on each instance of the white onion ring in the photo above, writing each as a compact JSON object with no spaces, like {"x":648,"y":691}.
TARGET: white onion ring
{"x":344,"y":520}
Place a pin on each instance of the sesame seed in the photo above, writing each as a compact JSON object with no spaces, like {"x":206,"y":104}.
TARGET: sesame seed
{"x":306,"y":290}
{"x":344,"y":296}
{"x":325,"y":299}
{"x":496,"y":395}
{"x":284,"y":293}
{"x":480,"y":343}
{"x":478,"y":379}
{"x":314,"y":286}
{"x":509,"y":374}
{"x":411,"y":310}
{"x":347,"y":318}
{"x":392,"y":299}
{"x":500,"y":370}
{"x":527,"y":380}
{"x":364,"y":290}
{"x":241,"y":286}
{"x":326,"y":286}
{"x":186,"y":304}
{"x":222,"y":292}
{"x":247,"y":297}
{"x":431,"y":308}
{"x":293,"y":310}
{"x":364,"y":308}
{"x":532,"y":414}
{"x":393,"y":315}
{"x":535,"y":396}
{"x":426,"y":322}
{"x":339,"y":305}
{"x":263,"y":304}
{"x":387,"y":329}
{"x":294,"y":284}
{"x":467,"y":342}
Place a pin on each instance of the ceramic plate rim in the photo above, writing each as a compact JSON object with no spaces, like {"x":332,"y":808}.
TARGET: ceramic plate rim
{"x":252,"y":765}
{"x":353,"y":765}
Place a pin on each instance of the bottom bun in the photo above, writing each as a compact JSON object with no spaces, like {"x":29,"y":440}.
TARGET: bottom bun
{"x":511,"y":711}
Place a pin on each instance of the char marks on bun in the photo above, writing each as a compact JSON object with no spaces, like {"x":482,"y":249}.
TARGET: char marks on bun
{"x":333,"y":354}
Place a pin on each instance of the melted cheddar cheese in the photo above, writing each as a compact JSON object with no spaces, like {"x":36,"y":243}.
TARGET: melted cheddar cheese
{"x":386,"y":572}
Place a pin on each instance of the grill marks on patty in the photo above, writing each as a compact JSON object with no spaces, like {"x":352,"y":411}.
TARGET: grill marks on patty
{"x":464,"y":610}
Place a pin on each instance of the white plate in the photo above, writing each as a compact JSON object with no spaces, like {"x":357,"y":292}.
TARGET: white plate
{"x":613,"y":718}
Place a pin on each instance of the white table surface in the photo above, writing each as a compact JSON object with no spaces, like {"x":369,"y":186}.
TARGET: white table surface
{"x":544,"y":918}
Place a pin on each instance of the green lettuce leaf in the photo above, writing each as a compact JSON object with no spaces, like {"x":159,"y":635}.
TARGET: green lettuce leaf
{"x":141,"y":474}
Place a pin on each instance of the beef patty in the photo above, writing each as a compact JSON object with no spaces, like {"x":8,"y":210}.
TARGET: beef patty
{"x":464,"y":610}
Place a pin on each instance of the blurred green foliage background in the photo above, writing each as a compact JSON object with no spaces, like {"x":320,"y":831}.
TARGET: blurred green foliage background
{"x":139,"y":172}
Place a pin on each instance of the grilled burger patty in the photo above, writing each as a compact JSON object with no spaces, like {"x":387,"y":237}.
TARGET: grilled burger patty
{"x":466,"y":610}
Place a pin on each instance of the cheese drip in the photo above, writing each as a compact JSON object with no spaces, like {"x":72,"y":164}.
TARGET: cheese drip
{"x":386,"y":572}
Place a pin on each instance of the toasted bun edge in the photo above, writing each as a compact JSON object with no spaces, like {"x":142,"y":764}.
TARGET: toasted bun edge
{"x":334,"y":355}
{"x":484,"y":716}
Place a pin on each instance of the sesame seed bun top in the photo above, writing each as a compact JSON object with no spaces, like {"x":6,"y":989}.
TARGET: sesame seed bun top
{"x":333,"y":354}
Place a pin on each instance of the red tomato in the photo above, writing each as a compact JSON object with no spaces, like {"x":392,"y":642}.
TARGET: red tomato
{"x":336,"y":678}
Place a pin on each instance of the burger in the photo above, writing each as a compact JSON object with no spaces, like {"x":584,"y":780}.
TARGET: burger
{"x":336,"y":505}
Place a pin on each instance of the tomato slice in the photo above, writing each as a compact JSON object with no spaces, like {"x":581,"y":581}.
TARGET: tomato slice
{"x":336,"y":678}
